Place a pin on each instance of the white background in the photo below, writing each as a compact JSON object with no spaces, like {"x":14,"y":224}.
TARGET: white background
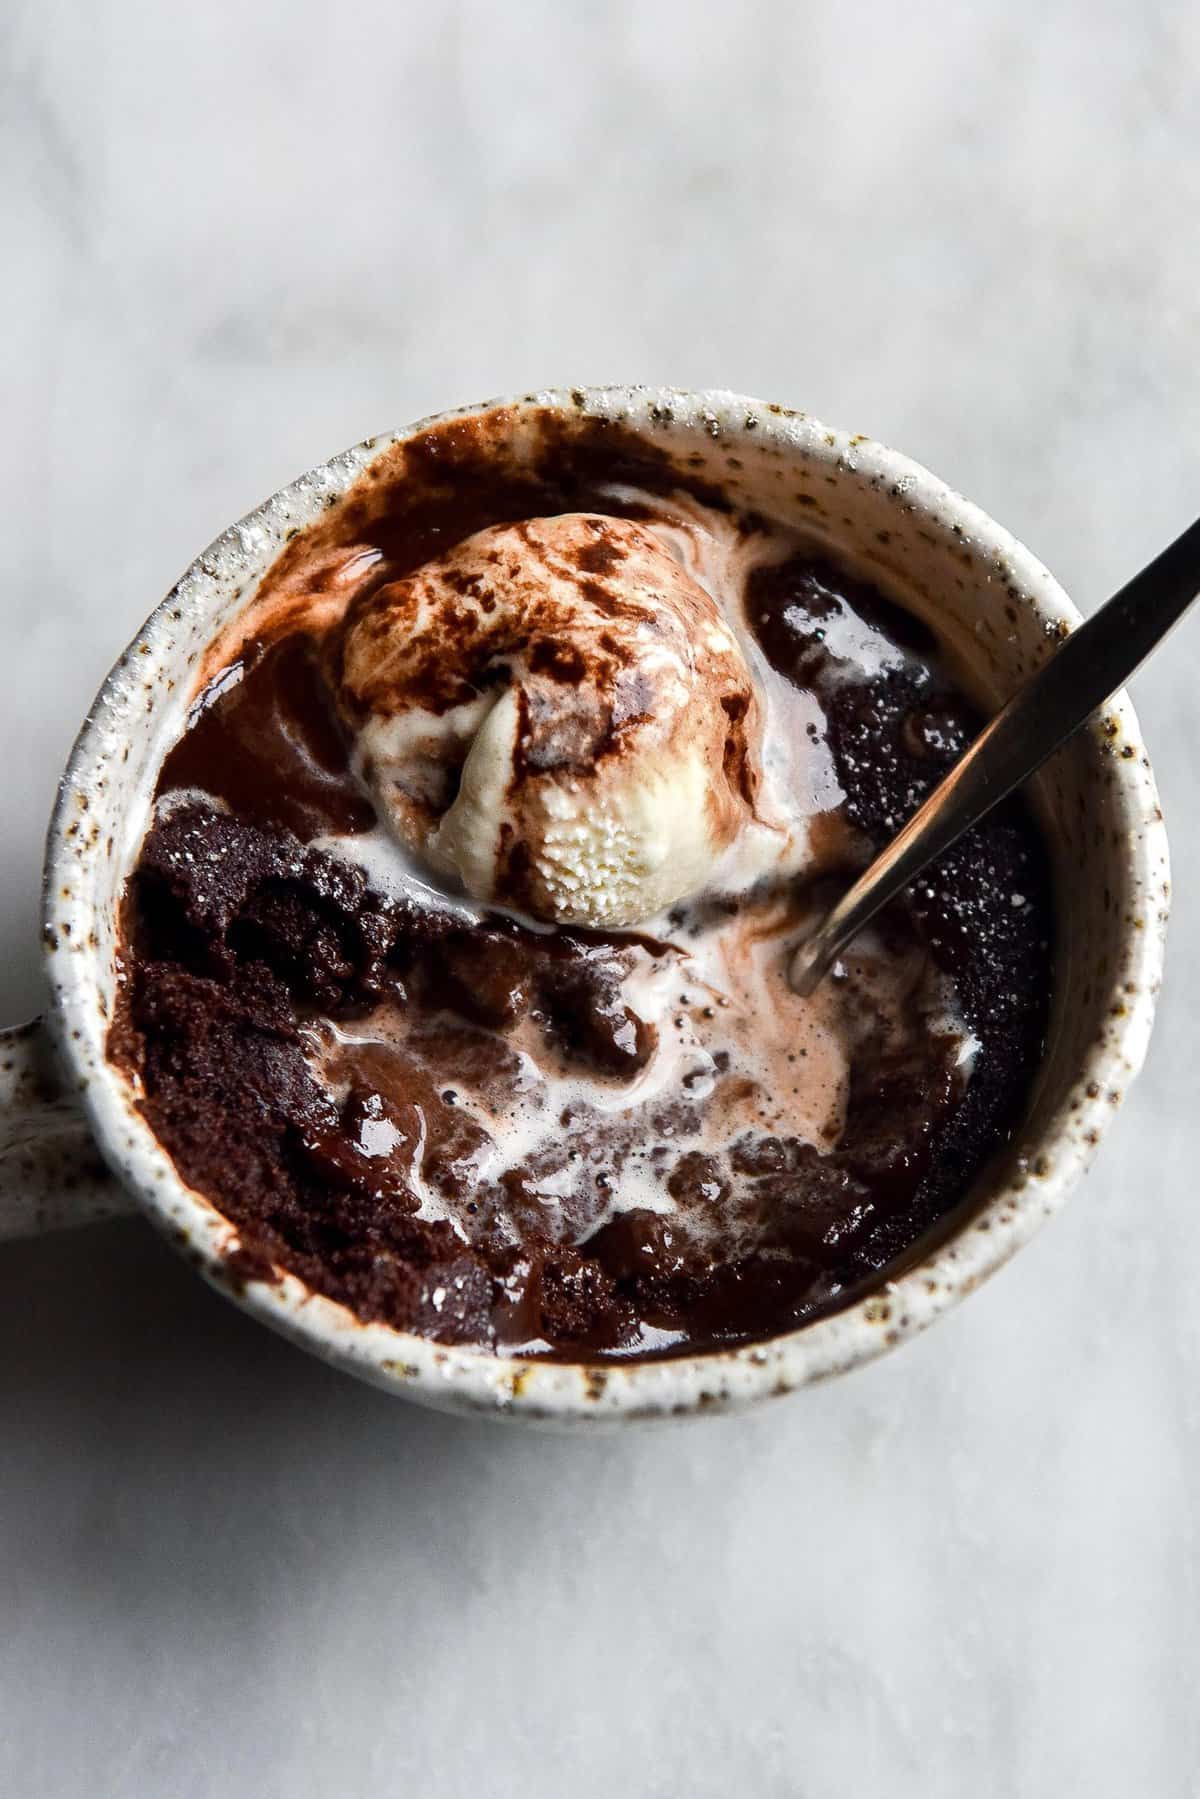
{"x":238,"y":236}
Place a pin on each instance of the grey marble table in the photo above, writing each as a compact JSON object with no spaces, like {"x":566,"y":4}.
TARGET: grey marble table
{"x":237,"y":237}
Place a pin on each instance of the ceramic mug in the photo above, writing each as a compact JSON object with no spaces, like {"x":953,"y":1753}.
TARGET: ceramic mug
{"x":74,"y":1146}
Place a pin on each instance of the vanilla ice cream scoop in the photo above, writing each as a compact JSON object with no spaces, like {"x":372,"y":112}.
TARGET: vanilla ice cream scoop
{"x":556,"y":715}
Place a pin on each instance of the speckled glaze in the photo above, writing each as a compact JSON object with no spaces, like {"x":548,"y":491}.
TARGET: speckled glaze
{"x":999,"y":613}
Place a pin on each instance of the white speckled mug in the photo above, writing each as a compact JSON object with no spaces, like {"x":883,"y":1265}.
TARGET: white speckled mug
{"x":73,"y":1144}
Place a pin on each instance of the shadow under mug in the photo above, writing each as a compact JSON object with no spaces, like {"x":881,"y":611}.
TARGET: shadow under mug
{"x":74,"y":1145}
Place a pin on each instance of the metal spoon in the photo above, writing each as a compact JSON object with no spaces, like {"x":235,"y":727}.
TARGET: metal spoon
{"x":1088,"y":669}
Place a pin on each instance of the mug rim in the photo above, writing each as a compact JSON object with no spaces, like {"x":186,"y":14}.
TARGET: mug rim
{"x":474,"y":1380}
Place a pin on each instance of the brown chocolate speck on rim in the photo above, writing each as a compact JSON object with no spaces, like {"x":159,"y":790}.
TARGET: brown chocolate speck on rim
{"x":245,"y":1263}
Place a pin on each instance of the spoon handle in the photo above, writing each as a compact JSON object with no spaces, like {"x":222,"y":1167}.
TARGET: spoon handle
{"x":1091,"y":664}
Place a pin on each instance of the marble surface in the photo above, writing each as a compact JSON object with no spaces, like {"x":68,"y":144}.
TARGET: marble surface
{"x":238,"y":237}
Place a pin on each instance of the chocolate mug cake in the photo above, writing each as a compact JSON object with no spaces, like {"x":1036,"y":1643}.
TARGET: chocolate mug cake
{"x":455,"y":957}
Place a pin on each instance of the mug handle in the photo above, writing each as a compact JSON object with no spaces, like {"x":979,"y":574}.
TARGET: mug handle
{"x":51,"y":1173}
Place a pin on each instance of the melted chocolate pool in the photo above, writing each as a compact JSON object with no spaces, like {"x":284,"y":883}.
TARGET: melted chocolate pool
{"x":559,"y":1140}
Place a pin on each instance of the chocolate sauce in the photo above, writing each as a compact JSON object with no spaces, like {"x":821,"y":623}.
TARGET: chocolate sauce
{"x":265,"y":738}
{"x":335,"y":1066}
{"x":432,"y":491}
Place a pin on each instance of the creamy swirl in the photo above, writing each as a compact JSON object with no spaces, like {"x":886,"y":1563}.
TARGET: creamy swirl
{"x":557,"y":715}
